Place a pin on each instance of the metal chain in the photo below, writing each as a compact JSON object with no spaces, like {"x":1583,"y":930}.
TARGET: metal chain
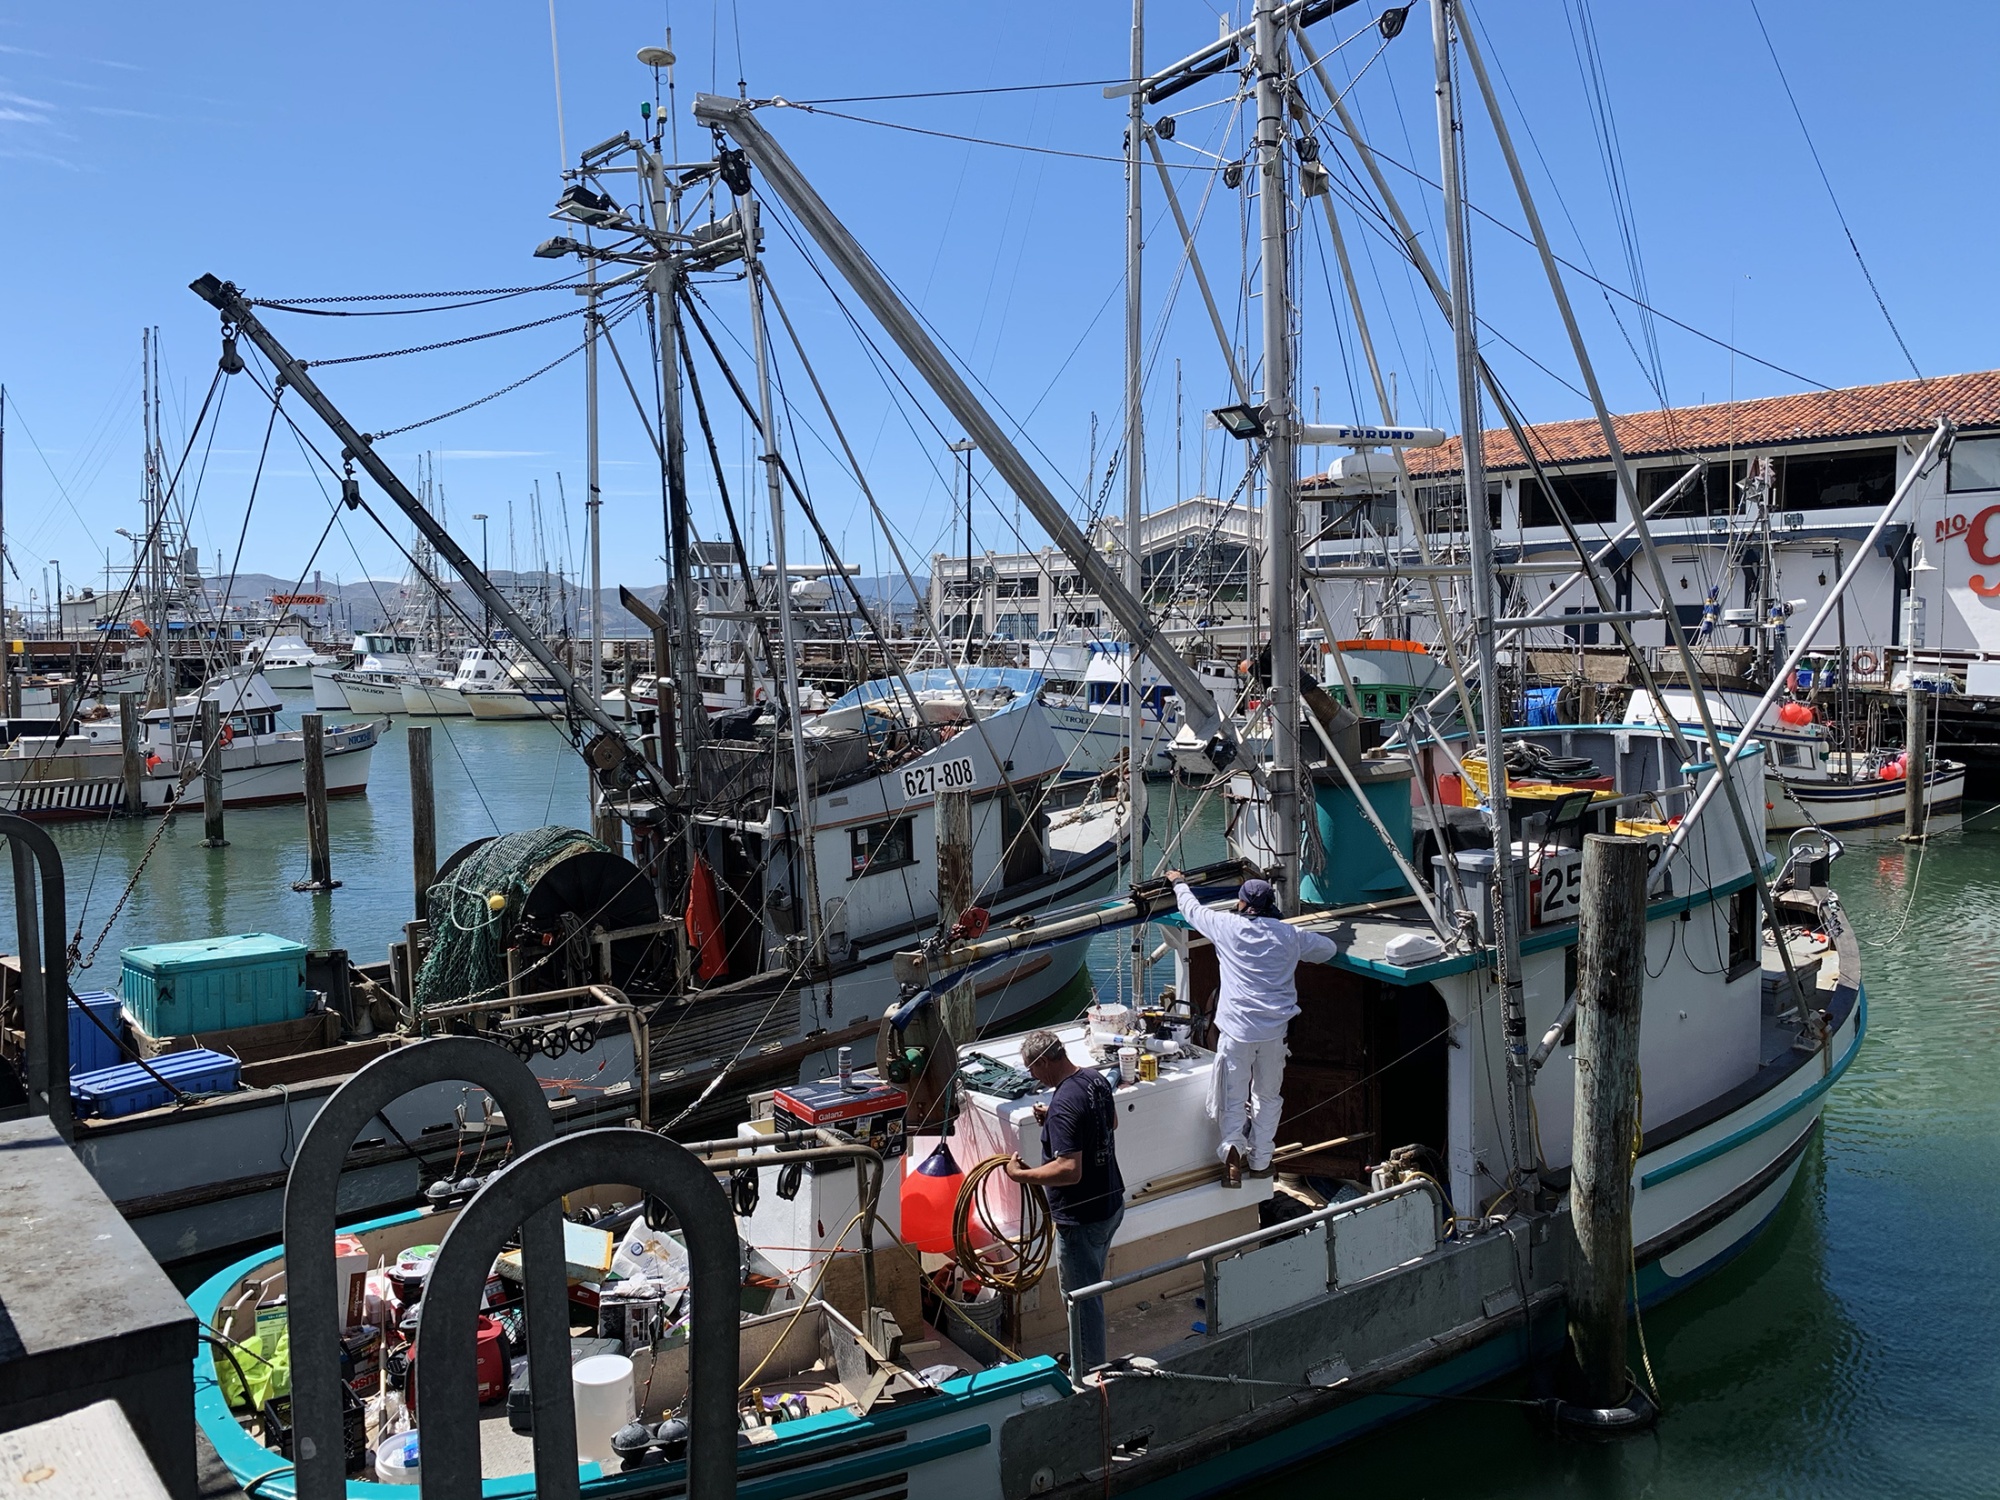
{"x":376,"y":437}
{"x":470,"y":338}
{"x":285,"y":304}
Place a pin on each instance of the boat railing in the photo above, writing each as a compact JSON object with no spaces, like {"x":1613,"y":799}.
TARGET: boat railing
{"x":1267,"y":1270}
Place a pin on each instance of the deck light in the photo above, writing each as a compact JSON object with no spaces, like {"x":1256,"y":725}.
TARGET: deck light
{"x":1245,"y":422}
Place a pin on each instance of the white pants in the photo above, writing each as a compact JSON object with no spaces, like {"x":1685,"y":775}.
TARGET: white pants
{"x":1244,"y":1097}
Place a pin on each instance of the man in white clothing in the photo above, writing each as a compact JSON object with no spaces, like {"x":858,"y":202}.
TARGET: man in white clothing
{"x":1258,"y":953}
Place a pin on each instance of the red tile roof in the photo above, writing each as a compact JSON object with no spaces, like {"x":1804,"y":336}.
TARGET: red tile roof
{"x":1904,"y":406}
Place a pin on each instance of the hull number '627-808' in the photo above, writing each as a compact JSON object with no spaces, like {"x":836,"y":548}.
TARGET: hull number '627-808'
{"x":941,"y":776}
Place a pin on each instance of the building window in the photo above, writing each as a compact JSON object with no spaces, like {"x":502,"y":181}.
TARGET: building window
{"x":961,"y":590}
{"x":1019,"y":627}
{"x":1027,"y":586}
{"x":1864,"y":480}
{"x":1974,"y":464}
{"x":1711,"y":493}
{"x":880,"y":846}
{"x":1070,"y":583}
{"x":1443,"y":505}
{"x":1583,"y":632}
{"x":1586,"y":497}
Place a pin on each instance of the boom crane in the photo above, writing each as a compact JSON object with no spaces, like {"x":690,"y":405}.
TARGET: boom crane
{"x":611,"y":755}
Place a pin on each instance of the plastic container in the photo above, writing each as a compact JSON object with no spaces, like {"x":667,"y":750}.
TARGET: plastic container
{"x":1128,"y":1064}
{"x":89,"y":1048}
{"x":216,"y":984}
{"x":407,"y":1276}
{"x":604,"y":1403}
{"x":128,"y":1088}
{"x":396,"y":1460}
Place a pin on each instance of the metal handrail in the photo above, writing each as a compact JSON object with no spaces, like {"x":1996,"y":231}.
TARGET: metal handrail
{"x":1258,"y":1236}
{"x":44,"y":969}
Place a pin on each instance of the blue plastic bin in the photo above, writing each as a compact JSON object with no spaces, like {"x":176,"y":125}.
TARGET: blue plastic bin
{"x":129,"y":1088}
{"x":89,"y":1048}
{"x":216,"y":984}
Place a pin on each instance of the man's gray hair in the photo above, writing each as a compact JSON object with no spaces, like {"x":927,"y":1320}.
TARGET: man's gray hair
{"x":1038,"y":1045}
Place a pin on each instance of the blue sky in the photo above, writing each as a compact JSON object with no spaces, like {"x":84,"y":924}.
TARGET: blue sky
{"x":306,"y":151}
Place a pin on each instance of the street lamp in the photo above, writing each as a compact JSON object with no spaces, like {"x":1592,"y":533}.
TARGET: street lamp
{"x":57,"y":565}
{"x":480,"y":517}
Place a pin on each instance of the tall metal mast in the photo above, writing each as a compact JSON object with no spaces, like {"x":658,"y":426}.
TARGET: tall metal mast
{"x":6,"y":639}
{"x":1484,"y":594}
{"x":852,"y":262}
{"x":593,"y":492}
{"x":767,"y":417}
{"x":1280,"y":457}
{"x":1135,"y":473}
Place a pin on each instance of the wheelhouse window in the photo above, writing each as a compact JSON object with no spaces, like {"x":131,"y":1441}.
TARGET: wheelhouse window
{"x":876,"y":847}
{"x":1746,"y":933}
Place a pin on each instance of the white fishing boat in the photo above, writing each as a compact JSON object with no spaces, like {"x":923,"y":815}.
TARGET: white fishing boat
{"x":1808,"y":783}
{"x":286,"y":659}
{"x":84,"y":774}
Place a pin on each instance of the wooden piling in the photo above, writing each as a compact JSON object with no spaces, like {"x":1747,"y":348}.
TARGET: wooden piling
{"x":1611,"y":971}
{"x":211,"y":775}
{"x":13,"y":689}
{"x":423,"y":817}
{"x":135,"y":765}
{"x":1916,"y":754}
{"x":319,"y":854}
{"x":957,"y":1008}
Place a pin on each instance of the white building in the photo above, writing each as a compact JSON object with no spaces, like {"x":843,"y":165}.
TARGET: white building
{"x":1198,"y":569}
{"x":1835,"y":458}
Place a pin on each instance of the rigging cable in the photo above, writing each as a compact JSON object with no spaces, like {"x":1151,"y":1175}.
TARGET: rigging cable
{"x":1833,"y":197}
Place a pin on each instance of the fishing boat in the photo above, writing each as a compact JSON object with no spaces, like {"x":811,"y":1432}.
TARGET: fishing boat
{"x":1809,"y":783}
{"x":374,"y":685}
{"x":86,"y":773}
{"x":286,"y":659}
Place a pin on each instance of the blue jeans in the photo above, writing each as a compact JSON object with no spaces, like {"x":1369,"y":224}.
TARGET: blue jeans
{"x":1081,"y":1251}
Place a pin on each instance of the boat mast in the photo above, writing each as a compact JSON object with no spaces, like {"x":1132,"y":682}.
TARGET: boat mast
{"x":1280,"y":457}
{"x":593,"y":493}
{"x":791,"y":690}
{"x":1135,"y":473}
{"x":1484,"y":591}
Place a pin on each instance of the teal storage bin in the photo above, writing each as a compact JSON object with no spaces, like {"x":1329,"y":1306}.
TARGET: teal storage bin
{"x":1358,"y":866}
{"x":216,"y":984}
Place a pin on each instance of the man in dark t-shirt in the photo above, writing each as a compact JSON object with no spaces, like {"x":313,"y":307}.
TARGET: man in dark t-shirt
{"x":1079,"y":1172}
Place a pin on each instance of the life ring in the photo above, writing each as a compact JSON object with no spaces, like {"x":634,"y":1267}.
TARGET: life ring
{"x":1864,"y":661}
{"x":227,"y":736}
{"x":760,"y":695}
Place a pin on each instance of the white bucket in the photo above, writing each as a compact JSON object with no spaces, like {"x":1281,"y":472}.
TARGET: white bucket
{"x":396,"y":1460}
{"x":604,"y":1403}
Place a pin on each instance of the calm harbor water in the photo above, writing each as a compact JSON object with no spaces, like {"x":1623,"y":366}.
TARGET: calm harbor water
{"x":1852,"y":1352}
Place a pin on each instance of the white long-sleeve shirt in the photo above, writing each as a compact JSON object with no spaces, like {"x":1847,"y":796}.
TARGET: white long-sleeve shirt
{"x":1258,"y":957}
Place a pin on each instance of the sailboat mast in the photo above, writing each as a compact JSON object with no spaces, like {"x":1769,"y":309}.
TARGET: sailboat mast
{"x":1280,"y":457}
{"x":1484,"y":591}
{"x":1135,"y":466}
{"x":791,"y":690}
